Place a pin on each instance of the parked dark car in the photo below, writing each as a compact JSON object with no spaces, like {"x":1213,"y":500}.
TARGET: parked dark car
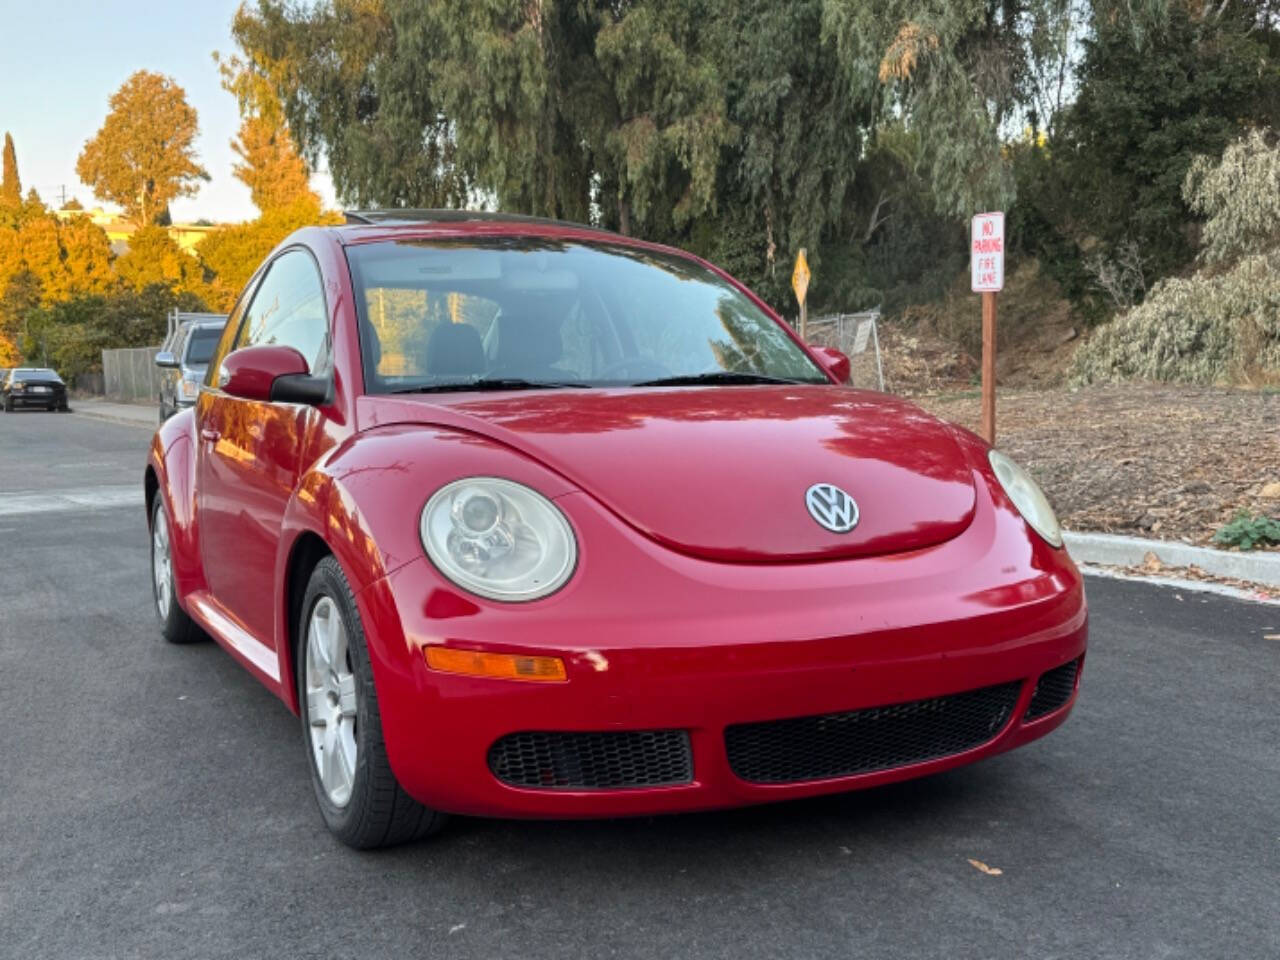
{"x":184,"y":363}
{"x":33,"y":387}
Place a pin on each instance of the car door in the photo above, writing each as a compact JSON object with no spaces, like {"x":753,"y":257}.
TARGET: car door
{"x":250,"y":453}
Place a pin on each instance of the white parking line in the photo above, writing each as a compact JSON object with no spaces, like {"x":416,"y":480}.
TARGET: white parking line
{"x":59,"y":501}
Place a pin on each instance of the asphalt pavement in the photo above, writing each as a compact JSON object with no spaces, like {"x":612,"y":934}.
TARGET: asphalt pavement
{"x":154,"y":800}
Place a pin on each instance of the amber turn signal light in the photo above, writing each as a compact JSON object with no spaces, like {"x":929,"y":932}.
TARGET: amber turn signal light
{"x":506,"y":666}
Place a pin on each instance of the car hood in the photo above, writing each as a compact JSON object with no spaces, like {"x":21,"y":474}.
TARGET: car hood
{"x":722,"y":472}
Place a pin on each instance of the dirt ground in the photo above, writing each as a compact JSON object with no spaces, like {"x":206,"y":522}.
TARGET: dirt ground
{"x":1171,"y":462}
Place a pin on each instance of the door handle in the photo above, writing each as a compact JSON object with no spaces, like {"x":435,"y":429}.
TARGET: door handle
{"x":208,"y":433}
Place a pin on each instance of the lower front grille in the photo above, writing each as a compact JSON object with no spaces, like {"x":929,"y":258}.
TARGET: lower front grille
{"x":863,"y":741}
{"x":593,"y":761}
{"x":1053,"y":690}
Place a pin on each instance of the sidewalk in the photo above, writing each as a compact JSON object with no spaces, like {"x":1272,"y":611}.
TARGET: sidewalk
{"x":133,"y":414}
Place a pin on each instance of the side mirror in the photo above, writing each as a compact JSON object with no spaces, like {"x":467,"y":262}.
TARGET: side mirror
{"x":269,"y":373}
{"x":834,"y":362}
{"x":166,"y":359}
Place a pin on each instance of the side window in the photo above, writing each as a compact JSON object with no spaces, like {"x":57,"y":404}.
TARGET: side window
{"x":230,"y":334}
{"x":288,"y":310}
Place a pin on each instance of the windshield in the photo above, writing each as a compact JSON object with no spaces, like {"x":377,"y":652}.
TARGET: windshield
{"x":202,"y":343}
{"x":511,"y":311}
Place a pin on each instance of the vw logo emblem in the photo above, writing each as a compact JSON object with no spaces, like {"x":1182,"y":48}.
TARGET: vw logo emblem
{"x":831,"y":507}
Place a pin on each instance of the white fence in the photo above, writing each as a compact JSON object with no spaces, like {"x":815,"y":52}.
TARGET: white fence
{"x":131,"y":375}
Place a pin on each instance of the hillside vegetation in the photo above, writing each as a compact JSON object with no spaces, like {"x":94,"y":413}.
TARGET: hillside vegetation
{"x":1222,"y":323}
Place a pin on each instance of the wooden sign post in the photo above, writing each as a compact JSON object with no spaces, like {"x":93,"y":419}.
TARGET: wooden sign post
{"x":800,"y":284}
{"x":986,"y":271}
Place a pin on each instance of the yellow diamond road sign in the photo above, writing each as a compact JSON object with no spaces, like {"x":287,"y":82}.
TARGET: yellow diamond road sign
{"x":800,"y":276}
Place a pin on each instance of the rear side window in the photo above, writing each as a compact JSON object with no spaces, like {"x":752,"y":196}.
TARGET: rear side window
{"x":288,"y":310}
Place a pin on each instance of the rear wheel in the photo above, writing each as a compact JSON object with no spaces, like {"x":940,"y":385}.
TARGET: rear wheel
{"x":175,"y":625}
{"x":359,"y":798}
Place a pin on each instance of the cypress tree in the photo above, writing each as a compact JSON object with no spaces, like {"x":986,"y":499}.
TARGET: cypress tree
{"x":10,"y":187}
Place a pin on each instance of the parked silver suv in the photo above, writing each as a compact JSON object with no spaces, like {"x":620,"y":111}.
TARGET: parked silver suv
{"x":184,"y":362}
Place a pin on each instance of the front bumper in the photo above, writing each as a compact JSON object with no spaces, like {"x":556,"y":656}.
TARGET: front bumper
{"x":656,"y":641}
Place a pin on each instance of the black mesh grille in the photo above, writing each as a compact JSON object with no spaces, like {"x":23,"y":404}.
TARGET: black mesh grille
{"x":593,"y":761}
{"x":1053,"y":689}
{"x":878,"y":738}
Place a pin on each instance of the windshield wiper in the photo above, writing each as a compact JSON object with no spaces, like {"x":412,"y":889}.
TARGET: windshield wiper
{"x":717,"y":376}
{"x":489,"y":383}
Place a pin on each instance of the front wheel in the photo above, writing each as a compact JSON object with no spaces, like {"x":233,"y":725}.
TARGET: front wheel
{"x":359,"y":798}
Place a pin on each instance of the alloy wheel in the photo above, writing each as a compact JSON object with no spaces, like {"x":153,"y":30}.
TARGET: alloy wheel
{"x":331,"y":701}
{"x":161,"y":564}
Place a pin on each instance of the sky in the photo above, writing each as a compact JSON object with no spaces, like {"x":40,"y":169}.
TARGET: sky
{"x":73,"y":54}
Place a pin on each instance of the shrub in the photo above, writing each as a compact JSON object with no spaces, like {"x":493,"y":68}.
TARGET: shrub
{"x":1248,"y":530}
{"x":1223,"y":323}
{"x":1201,"y":329}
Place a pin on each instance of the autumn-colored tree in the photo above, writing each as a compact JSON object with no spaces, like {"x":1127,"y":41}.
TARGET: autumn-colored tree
{"x":270,"y":166}
{"x":10,"y":186}
{"x":232,"y":253}
{"x":144,"y":155}
{"x":67,"y":259}
{"x":18,"y":297}
{"x":154,"y":258}
{"x":86,"y":257}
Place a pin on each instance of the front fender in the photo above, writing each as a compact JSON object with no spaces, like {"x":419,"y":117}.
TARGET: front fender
{"x":172,"y":458}
{"x":364,"y":501}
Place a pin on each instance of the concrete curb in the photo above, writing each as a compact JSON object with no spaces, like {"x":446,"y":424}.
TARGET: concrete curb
{"x":1116,"y":550}
{"x":87,"y":410}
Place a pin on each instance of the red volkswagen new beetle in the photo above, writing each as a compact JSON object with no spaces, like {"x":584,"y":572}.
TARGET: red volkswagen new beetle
{"x":530,"y":519}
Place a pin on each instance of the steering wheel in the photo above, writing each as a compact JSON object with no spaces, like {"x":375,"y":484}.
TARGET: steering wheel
{"x":642,"y":368}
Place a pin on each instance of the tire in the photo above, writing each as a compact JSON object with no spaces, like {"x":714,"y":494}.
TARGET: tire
{"x":8,"y":404}
{"x":175,"y":625}
{"x":359,"y":798}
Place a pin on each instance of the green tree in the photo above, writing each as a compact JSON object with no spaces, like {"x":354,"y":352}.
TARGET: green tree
{"x":10,"y":185}
{"x":351,"y":95}
{"x":144,"y":155}
{"x":1145,"y":110}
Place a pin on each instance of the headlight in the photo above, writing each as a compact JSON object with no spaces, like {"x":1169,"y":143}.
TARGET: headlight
{"x":498,"y":539}
{"x":1027,"y":497}
{"x":188,"y":388}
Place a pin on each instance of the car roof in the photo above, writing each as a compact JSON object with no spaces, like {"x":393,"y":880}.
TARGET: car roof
{"x":369,"y":225}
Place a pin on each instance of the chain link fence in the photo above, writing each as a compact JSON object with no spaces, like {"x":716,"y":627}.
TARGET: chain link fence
{"x":131,"y":375}
{"x":858,"y":336}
